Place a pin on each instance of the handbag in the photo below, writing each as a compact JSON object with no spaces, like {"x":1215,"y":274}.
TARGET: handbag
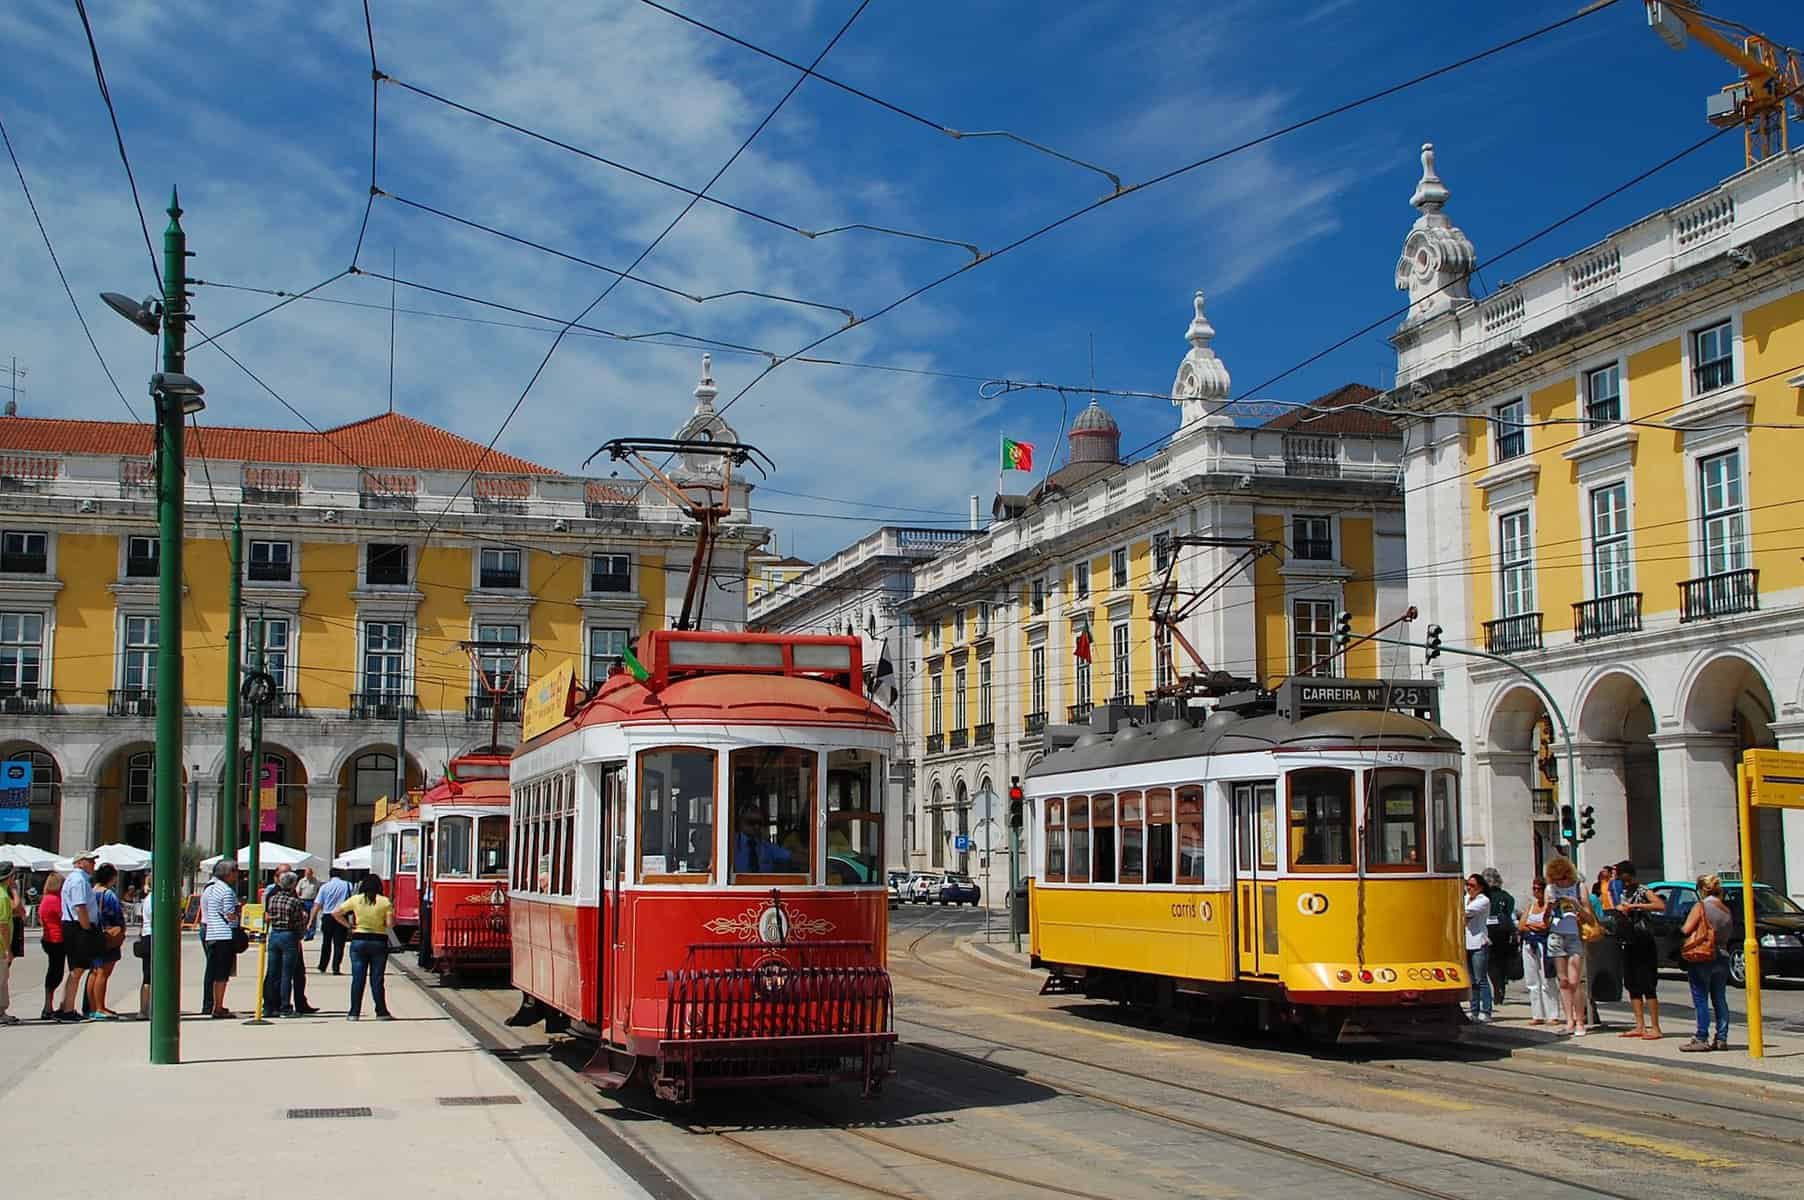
{"x":1700,"y":943}
{"x":1590,"y":928}
{"x":241,"y":939}
{"x":141,"y":947}
{"x":114,"y":936}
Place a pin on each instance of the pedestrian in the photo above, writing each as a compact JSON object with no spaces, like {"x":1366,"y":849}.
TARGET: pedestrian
{"x":1537,"y":965}
{"x":9,"y":910}
{"x":81,"y":932}
{"x":284,"y":920}
{"x":50,"y":919}
{"x":112,"y":937}
{"x":1709,"y":932}
{"x":219,"y":937}
{"x":334,"y":892}
{"x":368,"y":916}
{"x":1565,"y":945}
{"x":1506,"y":954}
{"x":1640,"y":959}
{"x":306,"y":887}
{"x":141,"y":948}
{"x":1478,"y":947}
{"x":1603,"y":899}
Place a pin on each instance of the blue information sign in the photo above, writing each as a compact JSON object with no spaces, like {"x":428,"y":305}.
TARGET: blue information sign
{"x":15,"y":773}
{"x":15,"y":796}
{"x":961,"y":843}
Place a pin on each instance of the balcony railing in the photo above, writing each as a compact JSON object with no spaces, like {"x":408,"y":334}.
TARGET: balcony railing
{"x":1123,"y":702}
{"x":1313,"y":549}
{"x":131,"y":702}
{"x":1035,"y":724}
{"x":482,"y":707}
{"x":936,"y":743}
{"x":383,"y":706}
{"x":1719,"y":595}
{"x":283,"y":705}
{"x":961,"y":738}
{"x":1078,"y":712}
{"x":1312,"y":457}
{"x":1512,"y":635}
{"x":986,"y":734}
{"x":27,"y":701}
{"x":1605,"y":616}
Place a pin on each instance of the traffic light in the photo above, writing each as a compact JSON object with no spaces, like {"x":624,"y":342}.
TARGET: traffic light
{"x":1568,"y":827}
{"x":1587,"y":823}
{"x":1343,"y":629}
{"x":1015,"y":802}
{"x":1434,"y":643}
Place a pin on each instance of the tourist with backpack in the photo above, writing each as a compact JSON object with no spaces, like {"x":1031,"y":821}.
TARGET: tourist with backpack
{"x":1709,"y":932}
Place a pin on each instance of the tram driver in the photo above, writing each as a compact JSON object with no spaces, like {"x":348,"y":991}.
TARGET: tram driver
{"x":753,"y":849}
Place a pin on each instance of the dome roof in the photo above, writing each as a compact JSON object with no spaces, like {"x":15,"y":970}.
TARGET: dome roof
{"x":1095,"y":419}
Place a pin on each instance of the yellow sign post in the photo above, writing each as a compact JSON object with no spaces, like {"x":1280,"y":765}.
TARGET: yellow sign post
{"x":252,"y":918}
{"x":547,"y":700}
{"x":1763,"y":779}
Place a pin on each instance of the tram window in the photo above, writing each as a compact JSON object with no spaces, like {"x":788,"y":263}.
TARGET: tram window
{"x":1077,"y":828}
{"x":1158,"y":836}
{"x":410,"y":851}
{"x":1055,"y":840}
{"x":614,"y":778}
{"x":854,"y":817}
{"x":453,"y":846}
{"x":491,"y":846}
{"x":1102,"y":838}
{"x":773,"y":812}
{"x":1321,"y":820}
{"x":1396,"y":822}
{"x":567,"y":826}
{"x":1133,"y":838}
{"x":550,"y":854}
{"x":1446,"y":821}
{"x":676,"y":815}
{"x":1190,"y":835}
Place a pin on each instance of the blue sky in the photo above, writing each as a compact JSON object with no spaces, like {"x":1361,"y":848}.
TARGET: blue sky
{"x":259,"y":110}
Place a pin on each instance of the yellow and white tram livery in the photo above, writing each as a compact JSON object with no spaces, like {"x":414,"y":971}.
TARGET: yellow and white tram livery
{"x":1294,"y":858}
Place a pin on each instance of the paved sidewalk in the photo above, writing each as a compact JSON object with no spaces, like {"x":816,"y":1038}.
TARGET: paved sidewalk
{"x":172,"y":1130}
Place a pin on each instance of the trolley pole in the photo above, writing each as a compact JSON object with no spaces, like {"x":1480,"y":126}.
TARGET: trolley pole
{"x":226,"y":827}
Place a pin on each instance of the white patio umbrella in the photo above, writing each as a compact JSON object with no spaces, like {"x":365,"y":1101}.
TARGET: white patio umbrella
{"x":270,"y":856}
{"x":27,"y":858}
{"x":126,"y":858}
{"x":353,"y":860}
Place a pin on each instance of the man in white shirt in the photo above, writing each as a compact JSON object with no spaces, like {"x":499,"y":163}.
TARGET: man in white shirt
{"x":81,"y":931}
{"x":218,"y":923}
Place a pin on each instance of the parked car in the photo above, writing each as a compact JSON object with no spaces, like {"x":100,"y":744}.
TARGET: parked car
{"x":923,"y":888}
{"x":898,"y":884}
{"x":1777,"y":919}
{"x":958,"y":889}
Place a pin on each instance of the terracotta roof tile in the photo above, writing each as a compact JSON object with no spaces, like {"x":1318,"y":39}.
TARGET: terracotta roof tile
{"x":1338,"y":419}
{"x":389,"y":440}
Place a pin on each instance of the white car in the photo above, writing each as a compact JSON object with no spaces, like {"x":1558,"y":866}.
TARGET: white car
{"x":923,"y":887}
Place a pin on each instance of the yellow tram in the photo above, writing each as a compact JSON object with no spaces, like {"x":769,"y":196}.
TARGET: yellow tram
{"x":1294,"y":858}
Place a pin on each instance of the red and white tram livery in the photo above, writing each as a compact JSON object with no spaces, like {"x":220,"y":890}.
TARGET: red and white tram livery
{"x":698,"y":866}
{"x":463,"y":873}
{"x":395,"y":860}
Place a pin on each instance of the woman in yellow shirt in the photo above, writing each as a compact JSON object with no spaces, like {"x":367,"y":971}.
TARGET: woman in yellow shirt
{"x":368,"y":915}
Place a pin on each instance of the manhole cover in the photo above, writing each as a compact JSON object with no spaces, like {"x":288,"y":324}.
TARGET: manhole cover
{"x":303,"y":1114}
{"x":476,"y":1101}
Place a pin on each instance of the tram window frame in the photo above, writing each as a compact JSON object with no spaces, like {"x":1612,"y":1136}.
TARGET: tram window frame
{"x":1102,"y":838}
{"x":442,"y":845}
{"x":782,"y":760}
{"x":649,"y":768}
{"x":1055,"y":841}
{"x":1161,"y":837}
{"x":1378,"y":819}
{"x":484,"y":824}
{"x":1300,"y":826}
{"x":1187,"y":814}
{"x":407,"y":851}
{"x":1445,"y":835}
{"x":859,"y":818}
{"x":614,"y":792}
{"x":1130,"y":823}
{"x":1077,"y":839}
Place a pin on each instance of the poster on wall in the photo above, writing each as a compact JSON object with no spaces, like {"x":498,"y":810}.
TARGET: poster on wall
{"x":266,"y":797}
{"x":15,"y":796}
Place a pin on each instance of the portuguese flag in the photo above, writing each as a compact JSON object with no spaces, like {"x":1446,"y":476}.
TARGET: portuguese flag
{"x":1017,"y":456}
{"x":633,"y":665}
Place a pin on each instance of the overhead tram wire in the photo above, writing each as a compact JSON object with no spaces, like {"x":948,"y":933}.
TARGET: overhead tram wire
{"x":376,"y":77}
{"x":106,"y":95}
{"x":64,"y":279}
{"x":1177,"y":172}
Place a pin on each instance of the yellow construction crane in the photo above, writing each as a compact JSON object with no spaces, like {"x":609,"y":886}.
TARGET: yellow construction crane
{"x":1770,"y":91}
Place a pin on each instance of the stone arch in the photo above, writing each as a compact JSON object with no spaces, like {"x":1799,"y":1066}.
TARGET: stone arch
{"x":936,"y":825}
{"x":124,"y":791}
{"x":1728,"y":692}
{"x":1610,"y":703}
{"x":365,"y":775}
{"x":1510,"y":724}
{"x":44,"y":805}
{"x":1727,"y":704}
{"x":1615,"y":726}
{"x":351,"y":750}
{"x":290,"y":775}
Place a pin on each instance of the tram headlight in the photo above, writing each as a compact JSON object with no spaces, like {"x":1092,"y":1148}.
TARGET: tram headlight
{"x":1344,"y":975}
{"x":1387,"y":975}
{"x":1453,"y":974}
{"x":1440,"y":975}
{"x":1365,"y":976}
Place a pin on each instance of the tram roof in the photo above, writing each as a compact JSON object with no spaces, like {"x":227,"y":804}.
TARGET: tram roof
{"x":725,"y":699}
{"x":1228,"y":733}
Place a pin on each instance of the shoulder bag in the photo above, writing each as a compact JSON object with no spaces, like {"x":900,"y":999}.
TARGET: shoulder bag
{"x":1700,"y":943}
{"x":1590,"y":928}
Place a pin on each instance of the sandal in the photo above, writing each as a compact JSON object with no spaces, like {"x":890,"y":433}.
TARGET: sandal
{"x":1652,"y":1036}
{"x":1630,"y":1033}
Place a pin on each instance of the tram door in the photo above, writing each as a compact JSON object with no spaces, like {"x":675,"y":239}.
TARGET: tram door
{"x":1255,"y":877}
{"x":613,"y":999}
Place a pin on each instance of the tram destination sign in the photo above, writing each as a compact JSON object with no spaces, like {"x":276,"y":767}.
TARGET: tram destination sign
{"x":1300,"y":697}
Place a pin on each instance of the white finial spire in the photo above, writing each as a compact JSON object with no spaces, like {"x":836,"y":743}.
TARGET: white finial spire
{"x":1200,"y":333}
{"x":1203,"y":383}
{"x":1437,"y":257}
{"x":705,"y":391}
{"x":1431,"y":194}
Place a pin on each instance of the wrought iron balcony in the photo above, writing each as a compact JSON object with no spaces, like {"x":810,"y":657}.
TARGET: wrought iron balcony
{"x":482,"y":707}
{"x":383,"y":706}
{"x":1078,"y":712}
{"x":961,"y":738}
{"x":1719,"y":595}
{"x":986,"y":734}
{"x":936,"y":743}
{"x":1512,"y":635}
{"x":131,"y":702}
{"x":1121,"y":702}
{"x":283,"y":705}
{"x":31,"y":701}
{"x":1035,"y":724}
{"x":1606,"y":615}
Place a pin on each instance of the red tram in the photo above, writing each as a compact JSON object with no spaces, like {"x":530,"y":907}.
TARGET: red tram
{"x":395,"y":860}
{"x":463,"y":870}
{"x":698,"y":867}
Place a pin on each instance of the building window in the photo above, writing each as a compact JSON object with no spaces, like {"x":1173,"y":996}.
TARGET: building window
{"x":1082,"y":681}
{"x":1161,"y":551}
{"x":1712,"y":358}
{"x":498,"y":568}
{"x":1312,"y":538}
{"x":140,"y":558}
{"x":1610,"y":540}
{"x":140,"y":778}
{"x":1509,"y":425}
{"x":275,"y":646}
{"x":385,"y":564}
{"x":958,"y":625}
{"x":1080,"y":581}
{"x":1037,"y":677}
{"x":1725,"y":518}
{"x":138,"y":672}
{"x":607,"y":649}
{"x":983,"y":620}
{"x":933,"y":634}
{"x":21,"y":652}
{"x":500,"y":668}
{"x":23,"y":553}
{"x":1312,"y":635}
{"x":1603,"y":396}
{"x":1118,"y":568}
{"x":614,"y":573}
{"x":271,"y":562}
{"x":986,"y":705}
{"x":1038,"y":603}
{"x":1515,"y":564}
{"x":1162,"y":665}
{"x":1119,"y":661}
{"x":384,"y":658}
{"x":958,"y":699}
{"x":937,"y":724}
